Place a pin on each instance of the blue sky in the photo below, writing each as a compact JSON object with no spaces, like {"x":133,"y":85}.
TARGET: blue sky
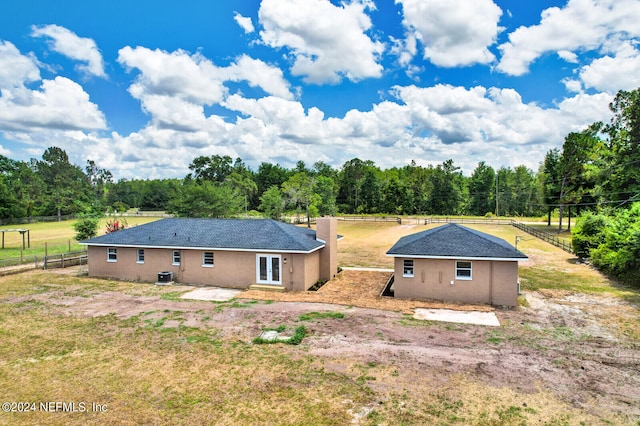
{"x":144,"y":87}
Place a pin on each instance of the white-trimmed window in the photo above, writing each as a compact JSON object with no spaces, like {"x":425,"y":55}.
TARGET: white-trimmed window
{"x":140,"y":256}
{"x":176,"y":258}
{"x":112,"y":254}
{"x":407,"y":268}
{"x":463,"y":270}
{"x":207,"y":259}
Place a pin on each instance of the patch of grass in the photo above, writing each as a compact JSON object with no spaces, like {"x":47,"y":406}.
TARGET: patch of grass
{"x":317,"y":285}
{"x":236,"y":304}
{"x":410,"y":321}
{"x":296,"y":339}
{"x":311,"y":316}
{"x":173,"y":296}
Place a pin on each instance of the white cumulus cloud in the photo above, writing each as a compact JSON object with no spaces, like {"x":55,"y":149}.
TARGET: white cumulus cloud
{"x":16,"y":68}
{"x":453,"y":33}
{"x":58,"y":104}
{"x":244,"y":22}
{"x":67,"y":43}
{"x":327,"y":42}
{"x":618,"y":71}
{"x":174,"y":87}
{"x":580,"y":25}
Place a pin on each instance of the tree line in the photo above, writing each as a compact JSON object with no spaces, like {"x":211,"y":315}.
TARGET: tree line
{"x":219,"y":186}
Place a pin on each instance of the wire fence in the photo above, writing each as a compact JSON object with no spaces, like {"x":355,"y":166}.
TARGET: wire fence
{"x":14,"y":265}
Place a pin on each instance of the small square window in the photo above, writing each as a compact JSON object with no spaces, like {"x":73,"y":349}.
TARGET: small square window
{"x":140,"y":255}
{"x":207,"y":259}
{"x":463,"y":270}
{"x":112,"y":254}
{"x":407,"y":268}
{"x":176,"y":258}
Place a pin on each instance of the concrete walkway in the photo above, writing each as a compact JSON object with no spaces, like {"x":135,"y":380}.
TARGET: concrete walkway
{"x":463,"y":317}
{"x":214,"y":294}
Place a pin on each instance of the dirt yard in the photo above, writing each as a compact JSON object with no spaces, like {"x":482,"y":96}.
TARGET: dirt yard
{"x":558,"y":347}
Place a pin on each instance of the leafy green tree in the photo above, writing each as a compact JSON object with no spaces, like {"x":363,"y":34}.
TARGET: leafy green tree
{"x":269,"y":175}
{"x":86,"y":226}
{"x":320,"y":168}
{"x":524,"y":190}
{"x":577,"y":153}
{"x":300,"y":190}
{"x":418,"y":179}
{"x":551,"y":179}
{"x":272,"y":203}
{"x":213,"y":169}
{"x":371,"y":192}
{"x":99,"y":179}
{"x":619,"y":254}
{"x":242,"y":184}
{"x":326,"y":189}
{"x":350,"y":180}
{"x":205,"y":200}
{"x":446,"y":194}
{"x":622,"y":176}
{"x":589,"y":233}
{"x":397,"y":197}
{"x":482,"y":190}
{"x":67,"y":187}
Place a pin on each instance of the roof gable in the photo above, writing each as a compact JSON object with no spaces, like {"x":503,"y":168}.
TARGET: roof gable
{"x":223,"y":234}
{"x":454,"y":241}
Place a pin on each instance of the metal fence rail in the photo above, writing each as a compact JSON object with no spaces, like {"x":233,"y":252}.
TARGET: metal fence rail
{"x":471,"y":221}
{"x":370,"y":219}
{"x":545,"y":236}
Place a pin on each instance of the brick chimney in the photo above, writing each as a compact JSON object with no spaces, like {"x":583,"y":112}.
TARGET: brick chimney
{"x":327,"y":231}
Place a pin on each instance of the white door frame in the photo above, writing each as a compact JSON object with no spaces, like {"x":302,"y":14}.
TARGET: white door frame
{"x":270,"y":271}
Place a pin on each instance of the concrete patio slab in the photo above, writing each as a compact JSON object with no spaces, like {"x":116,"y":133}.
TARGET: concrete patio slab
{"x":463,"y":317}
{"x":214,"y":294}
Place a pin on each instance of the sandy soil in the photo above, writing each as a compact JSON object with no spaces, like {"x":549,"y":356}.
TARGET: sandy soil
{"x":560,"y":342}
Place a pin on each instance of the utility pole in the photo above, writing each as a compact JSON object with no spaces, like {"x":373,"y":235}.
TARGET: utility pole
{"x":497,"y":214}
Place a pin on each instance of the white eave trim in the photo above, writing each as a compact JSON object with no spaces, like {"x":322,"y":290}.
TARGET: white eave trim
{"x":504,"y":259}
{"x":261,"y":250}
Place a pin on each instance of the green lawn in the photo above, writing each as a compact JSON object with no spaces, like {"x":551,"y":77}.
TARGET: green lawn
{"x":58,"y":237}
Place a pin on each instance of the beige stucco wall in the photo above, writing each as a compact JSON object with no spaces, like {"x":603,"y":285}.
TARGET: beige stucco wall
{"x":232,"y":269}
{"x":301,"y":271}
{"x":493,"y":282}
{"x":327,"y":230}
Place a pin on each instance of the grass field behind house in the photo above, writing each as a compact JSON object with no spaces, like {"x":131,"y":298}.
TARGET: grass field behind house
{"x":59,"y":237}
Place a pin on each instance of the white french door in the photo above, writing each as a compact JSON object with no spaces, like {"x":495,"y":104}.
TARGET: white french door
{"x":268,"y":268}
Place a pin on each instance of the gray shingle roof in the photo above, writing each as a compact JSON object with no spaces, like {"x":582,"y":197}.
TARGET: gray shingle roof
{"x":454,"y":241}
{"x":223,"y":234}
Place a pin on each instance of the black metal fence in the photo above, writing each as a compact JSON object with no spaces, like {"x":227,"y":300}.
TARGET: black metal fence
{"x":545,"y":236}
